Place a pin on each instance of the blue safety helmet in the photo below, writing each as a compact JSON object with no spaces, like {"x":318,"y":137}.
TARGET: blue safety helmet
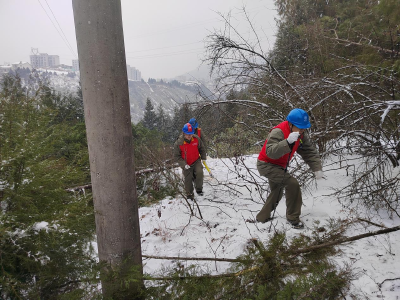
{"x":188,"y":128}
{"x":299,"y":118}
{"x":194,"y":123}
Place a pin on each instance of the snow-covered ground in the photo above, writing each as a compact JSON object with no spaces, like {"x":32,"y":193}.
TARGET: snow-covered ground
{"x":230,"y":201}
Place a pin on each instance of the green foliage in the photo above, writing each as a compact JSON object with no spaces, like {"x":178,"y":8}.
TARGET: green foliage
{"x":46,"y":231}
{"x":150,"y":118}
{"x":155,"y":187}
{"x":146,"y":142}
{"x":122,"y":282}
{"x":272,"y":271}
{"x":324,"y":283}
{"x":214,"y":121}
{"x":158,"y":121}
{"x":151,"y":152}
{"x":221,"y":122}
{"x":313,"y":33}
{"x":233,"y":142}
{"x":164,"y":126}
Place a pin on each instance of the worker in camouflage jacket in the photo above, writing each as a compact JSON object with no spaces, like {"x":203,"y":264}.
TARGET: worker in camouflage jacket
{"x":282,"y":143}
{"x":189,"y":151}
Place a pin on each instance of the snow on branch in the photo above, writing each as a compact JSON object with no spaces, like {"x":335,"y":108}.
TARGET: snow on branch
{"x":390,"y":105}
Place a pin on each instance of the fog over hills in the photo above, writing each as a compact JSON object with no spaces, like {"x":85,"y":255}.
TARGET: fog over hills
{"x":201,"y":73}
{"x":167,"y":94}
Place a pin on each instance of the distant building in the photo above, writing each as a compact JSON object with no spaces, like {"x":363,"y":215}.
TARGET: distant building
{"x":21,"y":65}
{"x":75,"y":65}
{"x":43,"y":60}
{"x":54,"y":60}
{"x":5,"y":69}
{"x":133,"y":73}
{"x":66,"y":67}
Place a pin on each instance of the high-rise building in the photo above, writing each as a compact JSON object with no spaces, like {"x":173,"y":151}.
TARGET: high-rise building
{"x":133,"y":73}
{"x":75,"y":65}
{"x":43,"y":60}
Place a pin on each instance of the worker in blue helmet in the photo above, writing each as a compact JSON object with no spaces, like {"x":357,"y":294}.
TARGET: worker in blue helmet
{"x":299,"y":118}
{"x":283,"y":141}
{"x":189,"y":151}
{"x":198,"y":132}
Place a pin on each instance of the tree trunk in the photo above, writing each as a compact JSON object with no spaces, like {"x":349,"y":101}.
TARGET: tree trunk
{"x":99,"y":35}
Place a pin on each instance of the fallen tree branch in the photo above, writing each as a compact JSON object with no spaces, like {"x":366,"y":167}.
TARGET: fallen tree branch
{"x":204,"y":276}
{"x":372,"y":223}
{"x":138,"y":173}
{"x":391,"y":279}
{"x":344,"y":240}
{"x":258,"y":246}
{"x":195,"y":258}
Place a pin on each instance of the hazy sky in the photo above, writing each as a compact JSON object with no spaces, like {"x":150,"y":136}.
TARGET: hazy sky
{"x":163,"y":38}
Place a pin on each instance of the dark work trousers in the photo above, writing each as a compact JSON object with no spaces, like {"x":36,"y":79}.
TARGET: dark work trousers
{"x":279,"y":180}
{"x":194,"y":174}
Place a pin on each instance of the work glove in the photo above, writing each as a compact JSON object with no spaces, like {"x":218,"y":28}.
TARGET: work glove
{"x":293,"y":137}
{"x":319,"y":175}
{"x":187,"y":167}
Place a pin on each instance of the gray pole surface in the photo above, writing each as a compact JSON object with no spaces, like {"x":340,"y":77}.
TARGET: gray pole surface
{"x":99,"y":35}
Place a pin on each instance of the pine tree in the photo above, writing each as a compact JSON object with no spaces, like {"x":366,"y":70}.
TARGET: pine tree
{"x":45,"y":231}
{"x":150,"y":117}
{"x":164,"y":125}
{"x":161,"y":118}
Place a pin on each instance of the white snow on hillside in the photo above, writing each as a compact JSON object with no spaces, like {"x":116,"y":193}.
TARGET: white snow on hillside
{"x":65,"y":84}
{"x":167,"y":228}
{"x":167,"y":95}
{"x":58,"y":72}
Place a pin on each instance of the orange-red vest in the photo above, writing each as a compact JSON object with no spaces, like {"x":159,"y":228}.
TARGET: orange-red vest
{"x":190,"y":151}
{"x":198,"y":132}
{"x":283,"y":160}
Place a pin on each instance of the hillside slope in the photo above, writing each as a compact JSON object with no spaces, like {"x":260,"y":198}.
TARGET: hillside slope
{"x":168,"y":94}
{"x":226,"y":225}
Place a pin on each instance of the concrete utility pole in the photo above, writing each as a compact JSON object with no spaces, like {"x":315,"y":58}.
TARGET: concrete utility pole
{"x":99,"y":35}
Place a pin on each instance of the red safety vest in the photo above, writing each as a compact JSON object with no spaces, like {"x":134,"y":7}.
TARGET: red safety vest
{"x":198,"y":132}
{"x":283,"y":160}
{"x":190,"y":151}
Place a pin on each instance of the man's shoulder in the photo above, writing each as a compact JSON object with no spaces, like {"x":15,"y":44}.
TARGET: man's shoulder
{"x":276,"y":130}
{"x":199,"y":140}
{"x":179,"y":140}
{"x":276,"y":133}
